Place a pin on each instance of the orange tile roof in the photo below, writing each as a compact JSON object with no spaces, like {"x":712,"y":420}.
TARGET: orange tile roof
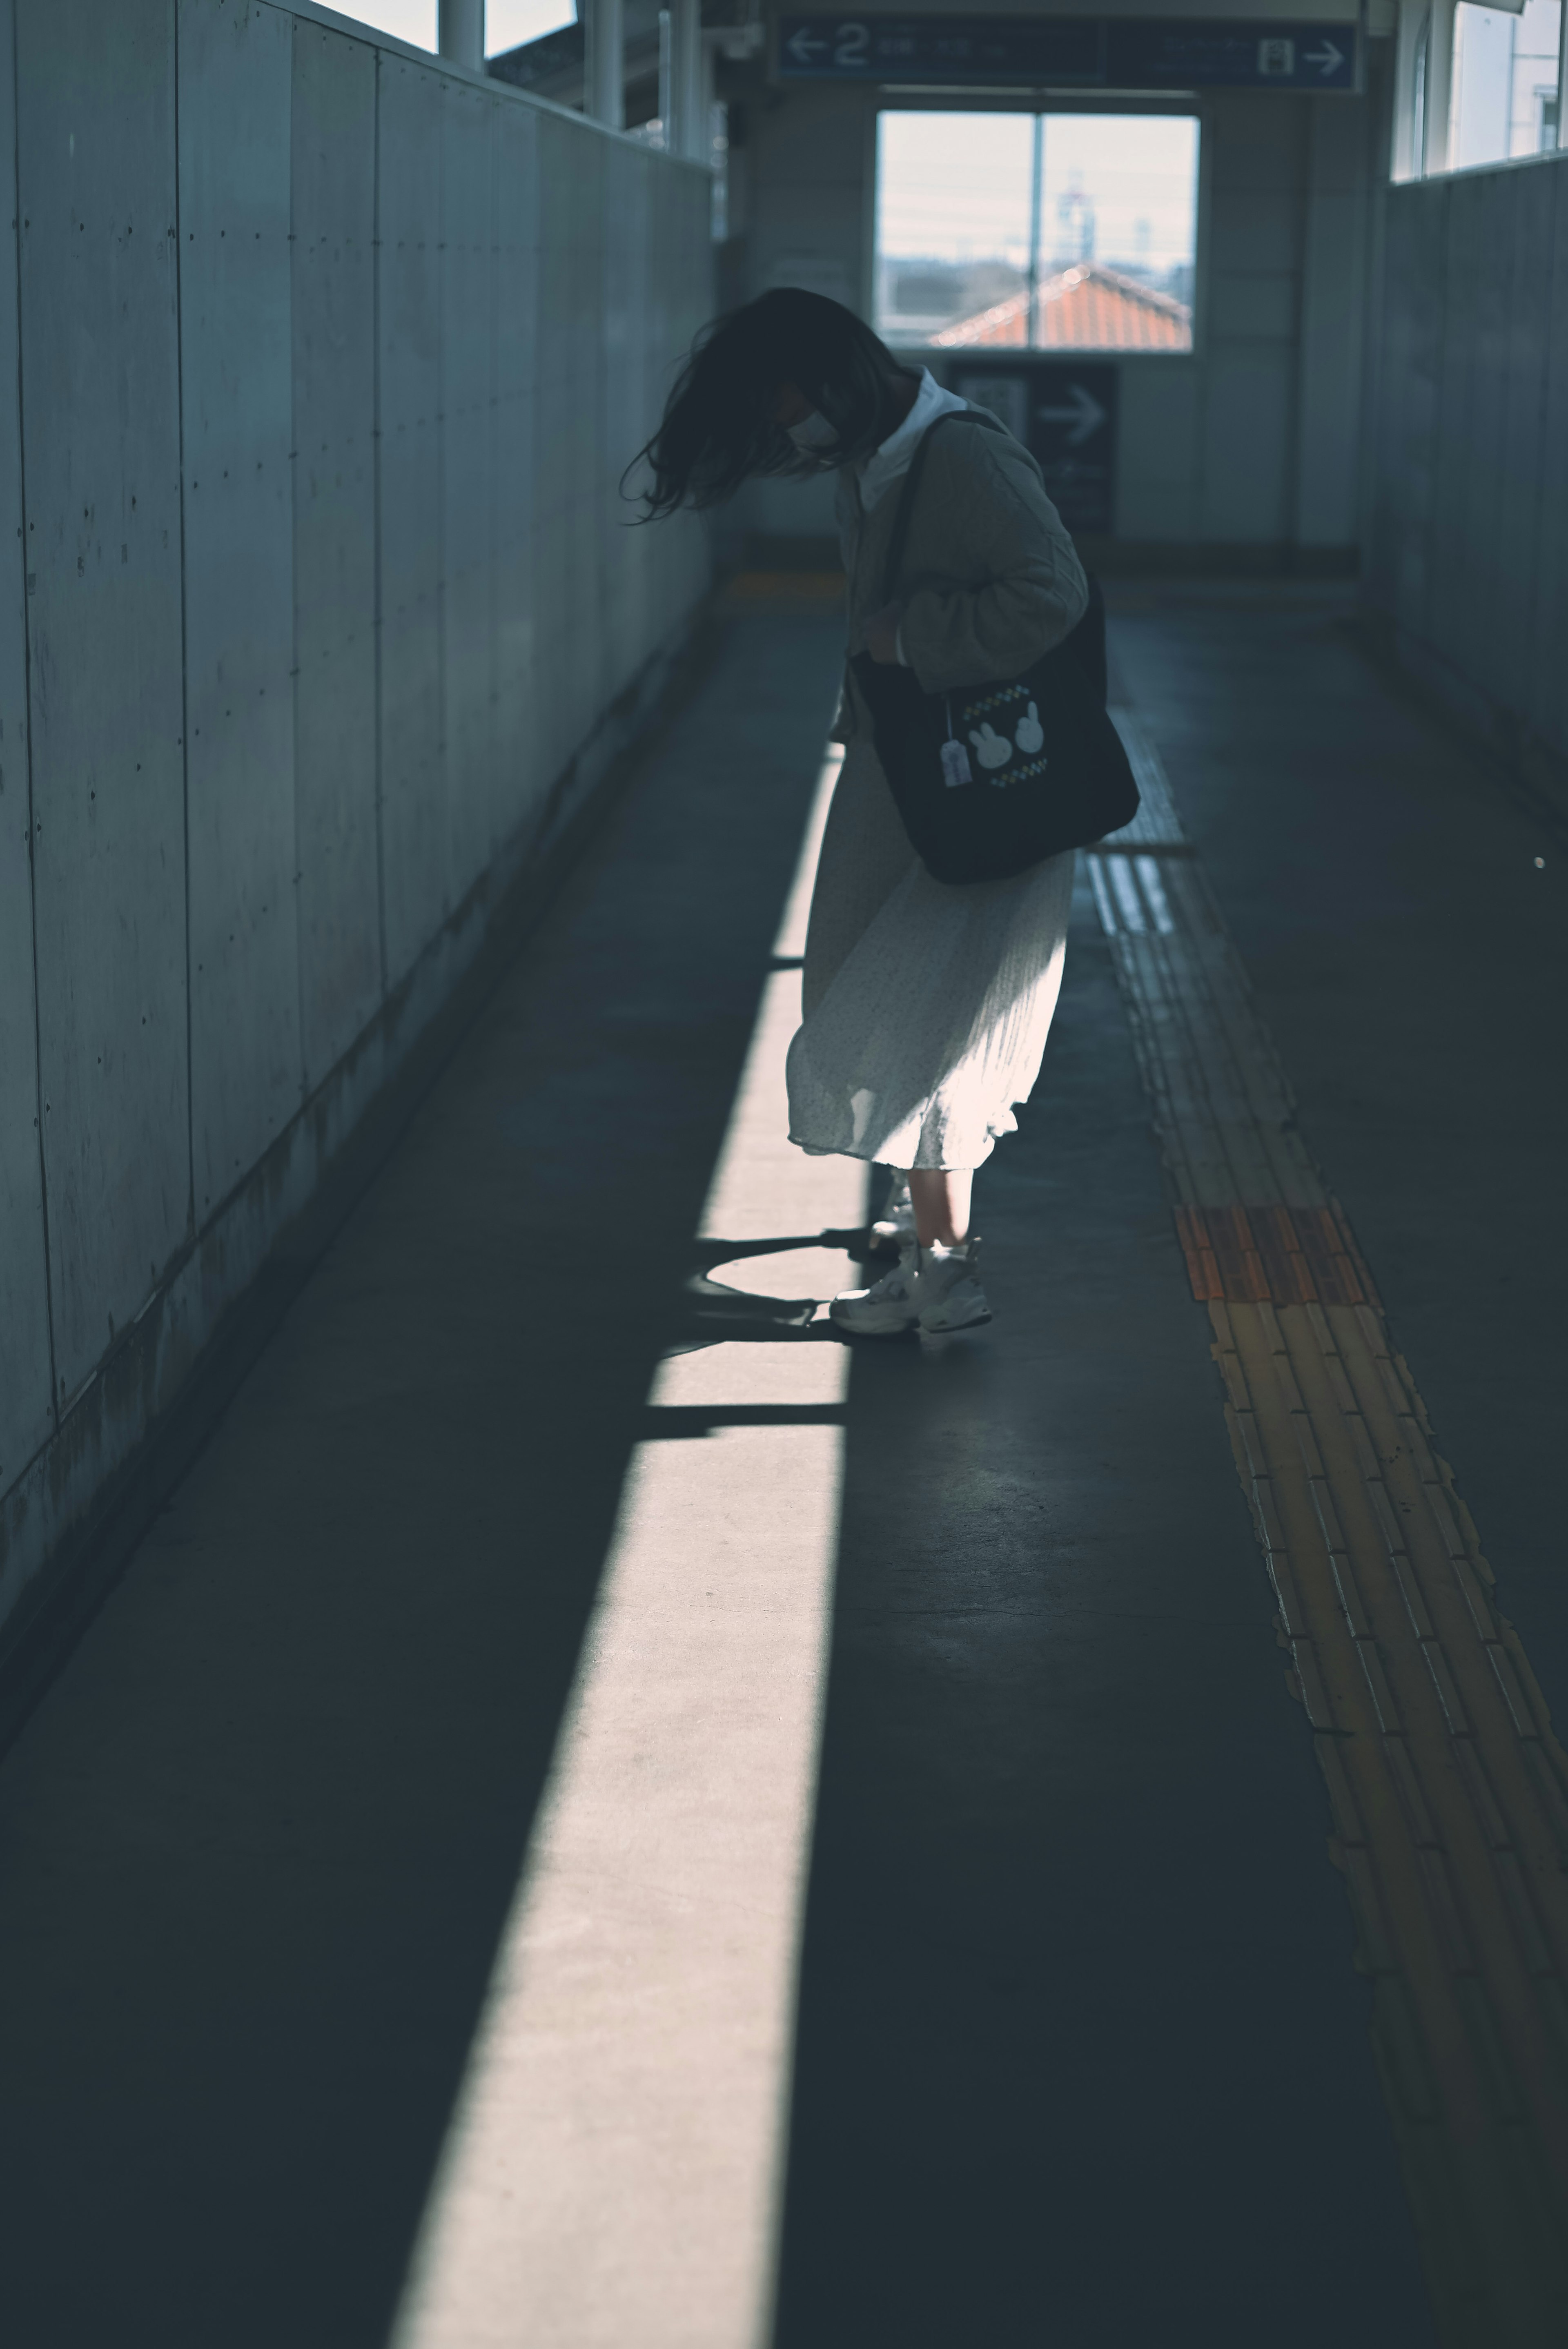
{"x":1083,"y":308}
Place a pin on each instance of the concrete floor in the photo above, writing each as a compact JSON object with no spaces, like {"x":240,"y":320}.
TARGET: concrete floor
{"x":1080,"y":2055}
{"x":1410,"y":957}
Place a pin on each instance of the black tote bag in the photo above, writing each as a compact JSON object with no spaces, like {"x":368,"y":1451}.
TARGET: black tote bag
{"x":991,"y":779}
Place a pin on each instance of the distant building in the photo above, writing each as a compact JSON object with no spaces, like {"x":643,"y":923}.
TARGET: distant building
{"x":1084,"y":308}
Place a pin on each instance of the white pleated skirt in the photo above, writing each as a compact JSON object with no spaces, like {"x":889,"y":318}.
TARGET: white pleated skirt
{"x":926,"y":1008}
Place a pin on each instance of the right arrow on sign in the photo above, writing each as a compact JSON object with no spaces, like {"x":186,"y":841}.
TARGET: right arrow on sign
{"x":1327,"y":57}
{"x":1085,"y":415}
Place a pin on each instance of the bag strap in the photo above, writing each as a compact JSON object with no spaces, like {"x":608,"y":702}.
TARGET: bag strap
{"x":905,"y":514}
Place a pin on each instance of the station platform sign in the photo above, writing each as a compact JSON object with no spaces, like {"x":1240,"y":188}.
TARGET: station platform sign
{"x":1089,"y":53}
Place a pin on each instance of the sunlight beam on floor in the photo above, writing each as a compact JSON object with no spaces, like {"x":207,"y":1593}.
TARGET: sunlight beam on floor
{"x":612,"y":2176}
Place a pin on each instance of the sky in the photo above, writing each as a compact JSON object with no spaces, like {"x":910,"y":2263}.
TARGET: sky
{"x":955,"y":187}
{"x":507,"y":22}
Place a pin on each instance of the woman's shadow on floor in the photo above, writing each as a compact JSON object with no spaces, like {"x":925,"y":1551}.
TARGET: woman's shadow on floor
{"x":713,"y":1313}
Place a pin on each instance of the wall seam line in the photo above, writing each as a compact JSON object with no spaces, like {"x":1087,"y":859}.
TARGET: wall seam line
{"x":190,"y":1224}
{"x":1305,"y":254}
{"x":293,"y":581}
{"x":376,"y":266}
{"x":489,"y":732}
{"x":1203,"y":336}
{"x":449,"y":898}
{"x":28,"y":703}
{"x":1527,"y":727}
{"x":1553,"y":736}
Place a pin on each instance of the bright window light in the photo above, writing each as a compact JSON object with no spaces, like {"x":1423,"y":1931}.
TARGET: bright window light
{"x":614,"y":2170}
{"x":1504,"y":90}
{"x":1055,"y":231}
{"x":510,"y":22}
{"x":413,"y":21}
{"x":507,"y":23}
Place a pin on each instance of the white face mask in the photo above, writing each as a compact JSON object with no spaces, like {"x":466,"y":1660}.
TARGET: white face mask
{"x":813,"y":432}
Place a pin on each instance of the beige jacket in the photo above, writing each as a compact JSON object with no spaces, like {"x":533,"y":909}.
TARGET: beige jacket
{"x":991,"y":580}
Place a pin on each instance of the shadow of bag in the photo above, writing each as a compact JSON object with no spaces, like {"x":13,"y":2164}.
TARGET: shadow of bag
{"x":991,"y":779}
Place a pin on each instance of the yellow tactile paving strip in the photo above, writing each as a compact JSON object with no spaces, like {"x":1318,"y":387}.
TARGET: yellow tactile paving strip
{"x":1447,"y":1791}
{"x":1294,"y":1256}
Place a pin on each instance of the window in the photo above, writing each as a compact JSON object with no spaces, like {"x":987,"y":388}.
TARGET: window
{"x":507,"y":22}
{"x":1504,"y":83}
{"x":1044,"y":231}
{"x":413,"y":21}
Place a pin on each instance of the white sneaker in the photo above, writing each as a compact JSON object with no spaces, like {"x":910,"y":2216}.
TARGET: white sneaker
{"x":889,"y":1305}
{"x":949,"y":1293}
{"x":936,"y":1286}
{"x":894,"y":1227}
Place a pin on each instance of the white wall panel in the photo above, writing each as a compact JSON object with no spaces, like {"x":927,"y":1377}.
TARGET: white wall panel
{"x":1258,"y":144}
{"x":1469,"y":517}
{"x":1480,"y":494}
{"x":1466,"y":267}
{"x":1390,"y":346}
{"x":1412,"y":390}
{"x":467,"y":472}
{"x":519,"y":768}
{"x":101,"y":403}
{"x":1332,"y":311}
{"x":318,"y":585}
{"x":1256,"y":177}
{"x":1159,"y":428}
{"x":1253,"y":230}
{"x":553,"y":484}
{"x":26,"y":1416}
{"x":1251,"y":305}
{"x":414,"y":845}
{"x":555,"y":390}
{"x":572,"y":211}
{"x":235,"y":75}
{"x":1524,"y":216}
{"x":1248,"y":443}
{"x":810,"y":168}
{"x":571,"y":443}
{"x":624,"y":419}
{"x":687,"y":228}
{"x":1545,"y":707}
{"x":334,"y":291}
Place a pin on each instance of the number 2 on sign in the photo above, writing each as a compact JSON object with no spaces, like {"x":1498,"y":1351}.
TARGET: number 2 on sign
{"x":854,"y":43}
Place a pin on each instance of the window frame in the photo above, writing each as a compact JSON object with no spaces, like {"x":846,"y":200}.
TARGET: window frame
{"x":1427,"y":38}
{"x":1190,"y":105}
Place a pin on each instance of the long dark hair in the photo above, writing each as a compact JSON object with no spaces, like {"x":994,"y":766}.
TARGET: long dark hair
{"x":718,"y":428}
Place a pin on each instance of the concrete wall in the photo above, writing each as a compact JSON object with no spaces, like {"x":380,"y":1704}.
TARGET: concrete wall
{"x":1468,"y":523}
{"x":319,"y":363}
{"x":1248,"y":450}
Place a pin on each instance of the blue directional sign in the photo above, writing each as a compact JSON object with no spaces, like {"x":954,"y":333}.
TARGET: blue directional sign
{"x":1187,"y":54}
{"x":1151,"y":53}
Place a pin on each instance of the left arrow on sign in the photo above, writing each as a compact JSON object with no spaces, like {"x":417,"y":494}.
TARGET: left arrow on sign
{"x":804,"y":45}
{"x":1329,"y":58}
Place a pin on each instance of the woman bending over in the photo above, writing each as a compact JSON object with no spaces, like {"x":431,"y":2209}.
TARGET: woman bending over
{"x":926,"y":1007}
